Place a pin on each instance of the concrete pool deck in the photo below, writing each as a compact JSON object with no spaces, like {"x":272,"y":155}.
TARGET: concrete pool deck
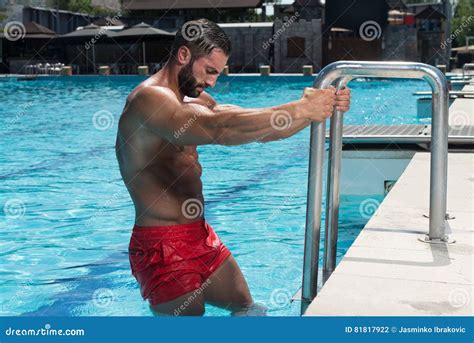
{"x":387,"y":271}
{"x":461,"y":111}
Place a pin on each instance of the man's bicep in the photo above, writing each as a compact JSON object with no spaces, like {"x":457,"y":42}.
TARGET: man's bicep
{"x":183,"y":124}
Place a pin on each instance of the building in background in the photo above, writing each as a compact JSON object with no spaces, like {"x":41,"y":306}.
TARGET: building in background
{"x":171,"y":14}
{"x":387,"y":30}
{"x":307,"y":10}
{"x":41,"y":11}
{"x":433,"y":26}
{"x":59,"y":21}
{"x":248,"y":45}
{"x":285,"y":44}
{"x":304,"y":32}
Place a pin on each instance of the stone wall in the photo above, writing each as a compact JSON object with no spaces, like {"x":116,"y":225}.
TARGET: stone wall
{"x":311,"y":32}
{"x":431,"y":48}
{"x":249,"y":49}
{"x":400,"y":44}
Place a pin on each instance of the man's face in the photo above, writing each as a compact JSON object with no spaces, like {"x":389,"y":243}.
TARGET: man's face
{"x":201,"y":73}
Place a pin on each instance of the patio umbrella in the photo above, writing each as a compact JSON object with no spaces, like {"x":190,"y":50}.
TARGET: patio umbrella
{"x":87,"y":32}
{"x":463,"y":48}
{"x":90,"y":33}
{"x":141,"y":32}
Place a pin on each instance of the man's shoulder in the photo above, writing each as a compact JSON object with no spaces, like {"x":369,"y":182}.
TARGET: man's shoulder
{"x":151,"y":93}
{"x":147,"y":100}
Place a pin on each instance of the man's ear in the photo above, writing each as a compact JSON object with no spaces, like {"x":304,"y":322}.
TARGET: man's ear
{"x":184,"y":55}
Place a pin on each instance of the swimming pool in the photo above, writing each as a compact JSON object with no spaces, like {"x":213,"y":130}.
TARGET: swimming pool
{"x":67,"y":217}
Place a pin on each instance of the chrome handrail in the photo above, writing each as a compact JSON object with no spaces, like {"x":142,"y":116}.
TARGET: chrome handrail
{"x":340,"y":74}
{"x":465,"y":67}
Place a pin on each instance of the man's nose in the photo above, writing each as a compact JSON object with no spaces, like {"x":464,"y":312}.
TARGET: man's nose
{"x":211,"y":82}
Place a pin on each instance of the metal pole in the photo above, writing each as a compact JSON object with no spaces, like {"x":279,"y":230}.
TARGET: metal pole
{"x":332,"y":197}
{"x":313,"y":207}
{"x":465,"y":67}
{"x":439,"y":167}
{"x":439,"y":156}
{"x":93,"y":57}
{"x":313,"y":214}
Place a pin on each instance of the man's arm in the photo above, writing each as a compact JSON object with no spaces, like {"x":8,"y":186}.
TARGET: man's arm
{"x":194,"y":124}
{"x":223,"y":107}
{"x":296,"y":126}
{"x":205,"y":99}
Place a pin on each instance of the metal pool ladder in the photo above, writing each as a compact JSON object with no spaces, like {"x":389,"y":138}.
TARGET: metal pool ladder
{"x":340,"y":74}
{"x":465,"y":68}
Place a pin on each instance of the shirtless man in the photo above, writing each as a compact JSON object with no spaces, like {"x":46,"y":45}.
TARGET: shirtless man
{"x":176,"y":257}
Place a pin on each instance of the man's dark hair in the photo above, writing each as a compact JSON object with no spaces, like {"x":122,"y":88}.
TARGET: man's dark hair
{"x":201,"y":36}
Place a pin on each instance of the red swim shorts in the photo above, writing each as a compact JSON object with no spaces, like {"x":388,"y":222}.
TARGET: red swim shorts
{"x":170,"y":261}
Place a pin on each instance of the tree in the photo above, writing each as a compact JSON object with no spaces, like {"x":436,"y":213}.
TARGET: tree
{"x":463,"y":21}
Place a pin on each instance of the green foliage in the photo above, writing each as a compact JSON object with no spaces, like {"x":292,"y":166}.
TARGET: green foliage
{"x":463,"y":21}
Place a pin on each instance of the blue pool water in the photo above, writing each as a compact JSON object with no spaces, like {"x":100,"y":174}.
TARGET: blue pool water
{"x":67,"y":217}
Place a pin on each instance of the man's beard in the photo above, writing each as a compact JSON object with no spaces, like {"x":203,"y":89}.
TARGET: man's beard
{"x":187,"y":82}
